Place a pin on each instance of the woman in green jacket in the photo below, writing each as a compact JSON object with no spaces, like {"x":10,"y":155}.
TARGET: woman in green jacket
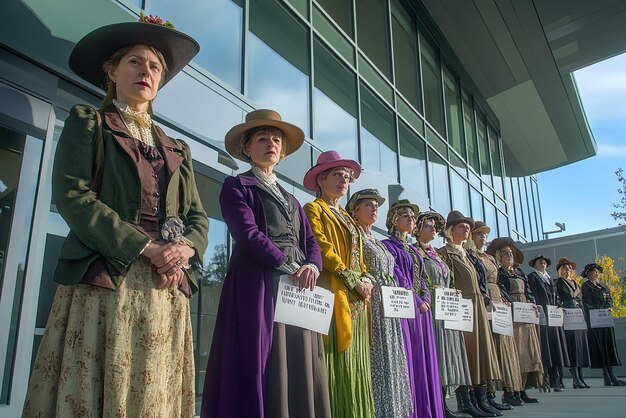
{"x":118,"y":340}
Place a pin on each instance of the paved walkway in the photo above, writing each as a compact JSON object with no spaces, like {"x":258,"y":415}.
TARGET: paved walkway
{"x":598,"y":402}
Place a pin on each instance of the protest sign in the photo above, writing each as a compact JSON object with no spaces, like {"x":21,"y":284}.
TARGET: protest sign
{"x":304,"y":308}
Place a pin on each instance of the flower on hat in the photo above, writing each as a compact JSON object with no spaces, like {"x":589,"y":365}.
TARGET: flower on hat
{"x":155,"y":20}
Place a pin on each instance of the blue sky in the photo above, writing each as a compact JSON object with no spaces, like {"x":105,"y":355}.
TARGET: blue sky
{"x":581,"y":194}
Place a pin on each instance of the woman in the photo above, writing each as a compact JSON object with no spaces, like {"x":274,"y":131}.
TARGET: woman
{"x":347,"y":344}
{"x":481,"y":351}
{"x":602,"y":347}
{"x":390,"y":377}
{"x":121,"y":311}
{"x":552,"y":339}
{"x":453,"y":366}
{"x":515,"y":284}
{"x":258,"y":367}
{"x":570,"y":295}
{"x":419,"y":338}
{"x":505,"y":344}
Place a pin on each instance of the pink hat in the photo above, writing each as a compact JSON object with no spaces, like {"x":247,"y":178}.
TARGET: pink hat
{"x":326,"y":161}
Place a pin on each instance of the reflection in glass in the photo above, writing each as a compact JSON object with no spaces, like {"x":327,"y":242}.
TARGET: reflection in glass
{"x":405,"y":52}
{"x":373,"y":32}
{"x":477,"y":205}
{"x":378,"y":143}
{"x":527,"y":207}
{"x":431,"y":79}
{"x":453,"y":112}
{"x":468,"y":126}
{"x":278,"y":73}
{"x":438,"y":183}
{"x":460,"y":193}
{"x":412,"y":160}
{"x":503,"y":225}
{"x":334,"y":104}
{"x":341,"y":12}
{"x":509,"y":202}
{"x":490,"y":219}
{"x":483,"y":147}
{"x":537,"y":209}
{"x":517,"y":205}
{"x":217,"y":25}
{"x":496,"y":161}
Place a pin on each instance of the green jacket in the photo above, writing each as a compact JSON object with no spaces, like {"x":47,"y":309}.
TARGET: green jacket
{"x":101,"y":226}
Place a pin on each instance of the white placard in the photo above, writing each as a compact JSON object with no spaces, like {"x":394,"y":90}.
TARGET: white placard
{"x":467,"y":318}
{"x":542,"y":316}
{"x":447,"y":304}
{"x":525,"y":313}
{"x":398,"y":302}
{"x":501,"y":319}
{"x":573,"y":319}
{"x":303,"y":308}
{"x":600,"y":318}
{"x":555,"y":316}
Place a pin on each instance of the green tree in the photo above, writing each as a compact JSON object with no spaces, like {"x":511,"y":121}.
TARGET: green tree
{"x":611,"y":278}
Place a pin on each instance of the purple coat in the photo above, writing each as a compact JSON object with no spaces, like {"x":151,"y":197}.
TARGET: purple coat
{"x":419,"y":338}
{"x":237,"y":367}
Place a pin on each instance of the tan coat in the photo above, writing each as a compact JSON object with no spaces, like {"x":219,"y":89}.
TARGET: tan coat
{"x":481,"y":350}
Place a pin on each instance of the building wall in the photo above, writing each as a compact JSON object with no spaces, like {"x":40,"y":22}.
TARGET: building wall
{"x":367,"y":78}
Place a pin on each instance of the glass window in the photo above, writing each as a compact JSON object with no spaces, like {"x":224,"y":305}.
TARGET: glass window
{"x":332,"y":35}
{"x":523,"y":202}
{"x":302,"y":6}
{"x":334,"y":104}
{"x":477,"y":204}
{"x":341,"y":12}
{"x":378,"y":139}
{"x":438,"y":183}
{"x":490,"y":219}
{"x":496,"y":162}
{"x":460,"y":193}
{"x":530,"y":213}
{"x":453,"y":112}
{"x":217,"y":25}
{"x":431,"y":79}
{"x":412,"y":160}
{"x":503,"y":225}
{"x":468,"y":126}
{"x":373,"y":32}
{"x":405,"y":53}
{"x":517,"y":205}
{"x":278,"y":74}
{"x":538,"y":209}
{"x":483,"y":147}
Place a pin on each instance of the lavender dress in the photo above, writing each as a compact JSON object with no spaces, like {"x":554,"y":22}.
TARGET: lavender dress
{"x":419,"y":338}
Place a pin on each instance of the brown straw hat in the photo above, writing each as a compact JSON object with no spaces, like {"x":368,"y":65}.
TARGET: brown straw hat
{"x":94,"y":48}
{"x":502,"y":242}
{"x":293,"y":137}
{"x":480,"y":226}
{"x":563,"y":261}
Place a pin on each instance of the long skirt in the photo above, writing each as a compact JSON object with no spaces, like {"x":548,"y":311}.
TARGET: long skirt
{"x":125,"y":353}
{"x":349,"y":378}
{"x":577,"y":348}
{"x":529,"y":353}
{"x":453,"y":366}
{"x":602,"y":348}
{"x":509,"y":361}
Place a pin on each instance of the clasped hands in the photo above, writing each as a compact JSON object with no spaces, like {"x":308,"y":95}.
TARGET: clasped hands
{"x":169,"y":259}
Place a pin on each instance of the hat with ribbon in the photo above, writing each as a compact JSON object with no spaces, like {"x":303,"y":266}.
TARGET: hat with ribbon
{"x":563,"y":261}
{"x":326,"y":161}
{"x":590,"y":267}
{"x":363,"y":194}
{"x":98,"y":45}
{"x":539,"y":257}
{"x":440,"y":222}
{"x":293,"y":137}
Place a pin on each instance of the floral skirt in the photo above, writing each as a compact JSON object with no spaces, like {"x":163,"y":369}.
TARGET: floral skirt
{"x":125,"y":353}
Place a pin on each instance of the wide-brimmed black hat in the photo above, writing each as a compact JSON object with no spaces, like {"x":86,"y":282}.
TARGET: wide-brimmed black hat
{"x":402,"y":203}
{"x":90,"y":52}
{"x":455,"y":217}
{"x":539,"y":257}
{"x":590,"y":267}
{"x":502,"y":242}
{"x":363,"y":194}
{"x":293,"y":137}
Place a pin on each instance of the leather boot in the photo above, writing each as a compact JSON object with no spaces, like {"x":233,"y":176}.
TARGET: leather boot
{"x":526,"y":398}
{"x":614,"y":380}
{"x":580,"y":378}
{"x":491,"y":398}
{"x":483,"y":403}
{"x":447,"y":412}
{"x":465,"y":405}
{"x":518,"y":395}
{"x":575,"y":381}
{"x":511,"y":399}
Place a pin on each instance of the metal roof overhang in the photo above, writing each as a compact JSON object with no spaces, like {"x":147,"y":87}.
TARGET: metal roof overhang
{"x":520,"y":55}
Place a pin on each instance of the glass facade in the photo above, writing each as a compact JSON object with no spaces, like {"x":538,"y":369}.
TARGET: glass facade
{"x":366,"y":78}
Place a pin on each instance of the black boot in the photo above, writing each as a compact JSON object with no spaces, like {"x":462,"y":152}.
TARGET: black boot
{"x":614,"y":380}
{"x":554,"y":380}
{"x":526,"y":398}
{"x":518,"y":395}
{"x":447,"y":412}
{"x":560,"y":378}
{"x":511,"y":399}
{"x":465,"y":405}
{"x":491,"y":398}
{"x":483,"y":403}
{"x":580,"y":378}
{"x":575,"y":381}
